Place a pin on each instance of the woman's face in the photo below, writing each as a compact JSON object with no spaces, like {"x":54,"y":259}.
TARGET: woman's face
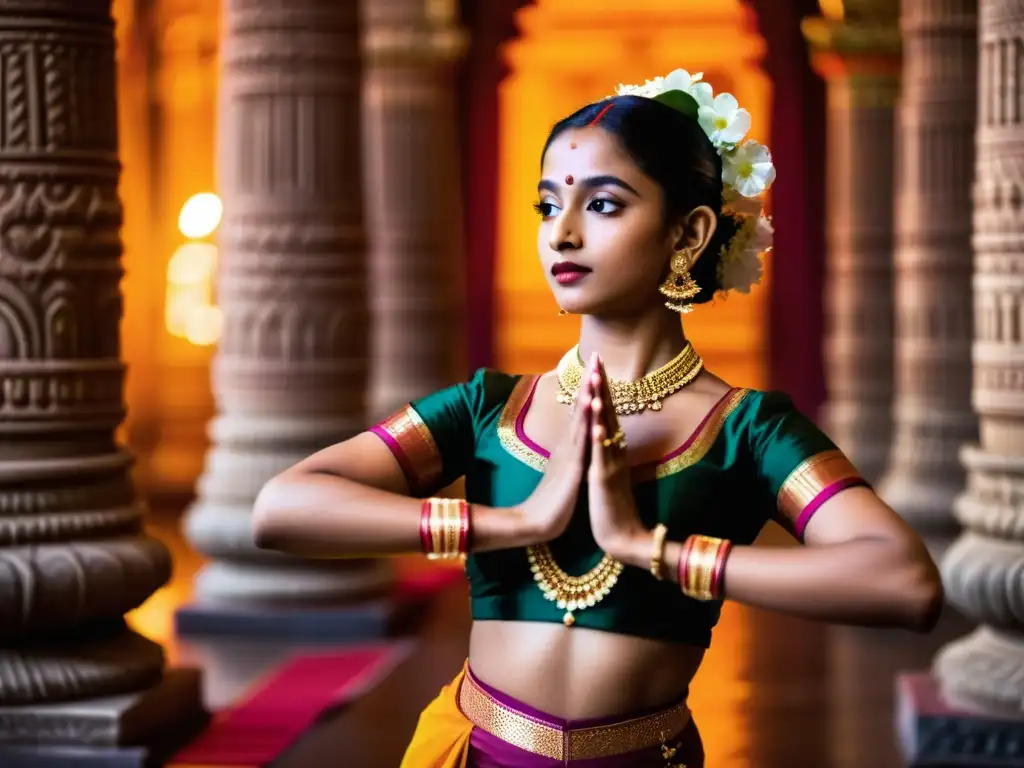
{"x":602,"y":240}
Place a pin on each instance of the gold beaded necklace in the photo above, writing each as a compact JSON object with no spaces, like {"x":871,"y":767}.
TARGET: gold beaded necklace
{"x":572,"y":593}
{"x":637,"y":395}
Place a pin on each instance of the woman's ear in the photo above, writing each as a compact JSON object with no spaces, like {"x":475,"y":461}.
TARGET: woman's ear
{"x":696,"y":231}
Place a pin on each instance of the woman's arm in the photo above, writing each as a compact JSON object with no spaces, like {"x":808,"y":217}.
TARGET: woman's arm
{"x":862,"y":565}
{"x":351,"y":499}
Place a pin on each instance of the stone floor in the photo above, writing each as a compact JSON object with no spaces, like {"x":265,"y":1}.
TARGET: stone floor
{"x":774,"y":692}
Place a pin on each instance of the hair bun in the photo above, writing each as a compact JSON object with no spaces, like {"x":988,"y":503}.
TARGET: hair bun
{"x":747,"y":173}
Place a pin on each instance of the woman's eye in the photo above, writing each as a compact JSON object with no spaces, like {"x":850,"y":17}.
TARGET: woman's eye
{"x":604,"y":206}
{"x":545,"y":209}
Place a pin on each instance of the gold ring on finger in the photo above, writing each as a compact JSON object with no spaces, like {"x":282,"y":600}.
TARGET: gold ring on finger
{"x":618,"y":439}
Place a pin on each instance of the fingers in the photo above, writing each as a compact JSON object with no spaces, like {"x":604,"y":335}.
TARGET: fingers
{"x":598,"y":433}
{"x":584,"y":403}
{"x":607,"y":438}
{"x":599,"y":384}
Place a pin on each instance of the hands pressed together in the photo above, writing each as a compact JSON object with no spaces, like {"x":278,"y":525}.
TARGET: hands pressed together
{"x":592,"y":450}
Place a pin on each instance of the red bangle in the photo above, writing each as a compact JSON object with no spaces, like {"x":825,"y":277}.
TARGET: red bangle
{"x":464,"y":527}
{"x":426,"y":541}
{"x":718,"y":574}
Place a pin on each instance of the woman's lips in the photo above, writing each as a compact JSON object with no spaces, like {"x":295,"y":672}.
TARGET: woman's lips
{"x":568,"y":272}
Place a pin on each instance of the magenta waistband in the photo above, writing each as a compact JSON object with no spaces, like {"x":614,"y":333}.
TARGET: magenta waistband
{"x":510,"y":734}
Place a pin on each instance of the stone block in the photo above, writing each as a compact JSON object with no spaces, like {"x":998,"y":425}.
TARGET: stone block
{"x":934,"y":733}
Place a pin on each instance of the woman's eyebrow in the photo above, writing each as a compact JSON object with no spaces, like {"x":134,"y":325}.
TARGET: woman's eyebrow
{"x":590,"y":182}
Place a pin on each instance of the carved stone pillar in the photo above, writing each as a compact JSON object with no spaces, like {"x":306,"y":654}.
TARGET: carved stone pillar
{"x":414,"y":212}
{"x":859,"y":58}
{"x":73,"y":559}
{"x":984,"y":570}
{"x":932,"y":409}
{"x":290,"y":371}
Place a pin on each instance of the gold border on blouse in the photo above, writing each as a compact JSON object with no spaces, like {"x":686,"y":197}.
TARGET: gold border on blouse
{"x":705,"y":437}
{"x":554,"y":743}
{"x":810,"y":478}
{"x":507,"y":425}
{"x":700,"y":443}
{"x":410,"y":432}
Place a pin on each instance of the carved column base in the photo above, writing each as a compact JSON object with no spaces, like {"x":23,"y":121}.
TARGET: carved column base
{"x":970,"y":710}
{"x":131,"y":730}
{"x":61,"y":623}
{"x":983,"y":572}
{"x":249,"y":592}
{"x":78,"y":665}
{"x":247,"y":452}
{"x":287,"y":598}
{"x":984,"y":671}
{"x":289,"y":581}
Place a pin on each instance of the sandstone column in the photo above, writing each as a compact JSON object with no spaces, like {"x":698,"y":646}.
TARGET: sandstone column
{"x":290,"y":372}
{"x":984,"y":570}
{"x":932,"y":409}
{"x":859,"y":58}
{"x":73,"y":558}
{"x":414,"y":212}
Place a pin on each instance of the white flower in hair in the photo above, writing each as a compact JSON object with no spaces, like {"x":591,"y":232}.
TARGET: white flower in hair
{"x":648,"y":90}
{"x":748,"y":168}
{"x":724,"y":122}
{"x":741,"y":263}
{"x":763,"y":237}
{"x":742,"y":272}
{"x":681,"y":80}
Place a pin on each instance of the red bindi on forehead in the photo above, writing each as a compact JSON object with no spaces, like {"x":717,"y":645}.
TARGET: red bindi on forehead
{"x":569,"y":180}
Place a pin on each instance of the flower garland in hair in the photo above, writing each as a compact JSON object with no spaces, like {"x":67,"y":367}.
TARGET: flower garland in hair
{"x":747,"y":169}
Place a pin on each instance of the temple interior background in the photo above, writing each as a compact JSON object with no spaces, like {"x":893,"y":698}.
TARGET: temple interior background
{"x":326,"y":212}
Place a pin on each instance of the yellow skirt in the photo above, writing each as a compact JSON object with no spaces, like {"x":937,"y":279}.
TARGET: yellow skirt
{"x":442,"y":734}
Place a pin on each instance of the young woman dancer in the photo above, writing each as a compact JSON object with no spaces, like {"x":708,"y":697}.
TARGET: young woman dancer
{"x":611,"y":503}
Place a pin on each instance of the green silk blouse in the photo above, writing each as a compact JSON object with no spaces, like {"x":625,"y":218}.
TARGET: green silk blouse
{"x":754,"y":457}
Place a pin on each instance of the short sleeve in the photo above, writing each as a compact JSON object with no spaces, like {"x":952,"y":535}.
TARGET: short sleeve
{"x":434,"y":438}
{"x":800,"y":468}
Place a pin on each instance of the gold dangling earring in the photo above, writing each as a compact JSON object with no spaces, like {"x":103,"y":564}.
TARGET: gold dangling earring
{"x":679,"y":287}
{"x":562,"y":312}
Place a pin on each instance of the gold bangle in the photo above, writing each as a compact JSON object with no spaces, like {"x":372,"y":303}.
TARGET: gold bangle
{"x":451,"y":529}
{"x":446,"y":523}
{"x":698,"y":572}
{"x":658,"y":551}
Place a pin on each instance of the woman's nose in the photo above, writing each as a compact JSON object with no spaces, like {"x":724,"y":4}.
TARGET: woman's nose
{"x":565,"y":235}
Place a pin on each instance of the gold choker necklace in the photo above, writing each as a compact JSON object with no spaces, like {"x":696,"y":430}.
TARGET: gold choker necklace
{"x":632,"y":396}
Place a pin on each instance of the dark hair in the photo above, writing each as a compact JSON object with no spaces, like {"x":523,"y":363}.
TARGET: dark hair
{"x":673,"y":150}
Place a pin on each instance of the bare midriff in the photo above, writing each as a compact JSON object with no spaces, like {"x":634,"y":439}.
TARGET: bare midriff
{"x":577,"y":673}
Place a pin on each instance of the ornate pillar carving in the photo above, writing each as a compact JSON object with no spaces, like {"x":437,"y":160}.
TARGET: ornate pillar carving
{"x":859,"y":58}
{"x":73,"y":559}
{"x":932,"y":409}
{"x":414,"y":212}
{"x":983,"y":569}
{"x":290,"y":371}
